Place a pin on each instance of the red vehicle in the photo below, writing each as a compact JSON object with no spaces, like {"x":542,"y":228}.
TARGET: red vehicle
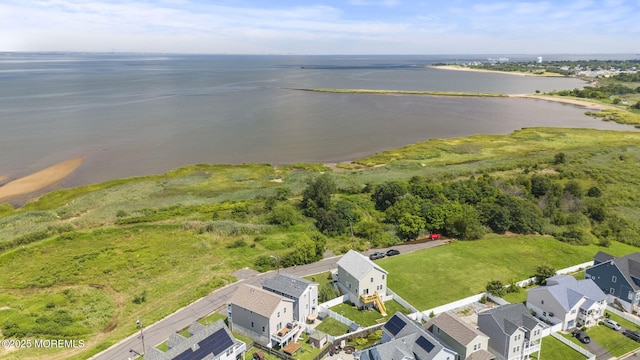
{"x":434,"y":236}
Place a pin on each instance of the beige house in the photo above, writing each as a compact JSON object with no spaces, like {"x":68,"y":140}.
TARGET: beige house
{"x":263,"y":316}
{"x":469,"y":342}
{"x":363,"y":280}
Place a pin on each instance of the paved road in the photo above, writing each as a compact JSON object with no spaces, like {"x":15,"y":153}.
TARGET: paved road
{"x":161,"y":330}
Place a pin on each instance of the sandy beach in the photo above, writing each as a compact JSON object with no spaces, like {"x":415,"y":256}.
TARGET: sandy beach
{"x":38,"y":180}
{"x":516,"y":73}
{"x":584,"y":103}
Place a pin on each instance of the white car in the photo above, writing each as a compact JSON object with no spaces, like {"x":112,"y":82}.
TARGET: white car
{"x":611,"y":324}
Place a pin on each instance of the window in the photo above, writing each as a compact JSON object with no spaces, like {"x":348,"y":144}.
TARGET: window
{"x":613,"y":279}
{"x":371,"y":279}
{"x":382,"y":276}
{"x":278,"y":313}
{"x":252,"y":324}
{"x":285,"y":310}
{"x":542,"y":302}
{"x":306,"y":306}
{"x":349,"y":285}
{"x":612,"y":291}
{"x":279,"y":326}
{"x":263,"y":329}
{"x":573,"y":311}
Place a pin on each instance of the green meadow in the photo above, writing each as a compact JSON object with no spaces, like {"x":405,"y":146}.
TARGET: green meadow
{"x":84,"y":263}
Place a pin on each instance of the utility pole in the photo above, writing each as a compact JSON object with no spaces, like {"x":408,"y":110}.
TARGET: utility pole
{"x":141,"y":334}
{"x":278,"y":260}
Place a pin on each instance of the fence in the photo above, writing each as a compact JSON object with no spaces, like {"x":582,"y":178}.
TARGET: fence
{"x":278,"y":354}
{"x":333,"y":302}
{"x":332,"y":314}
{"x":575,"y":347}
{"x":402,"y":301}
{"x":453,"y":305}
{"x":624,"y":315}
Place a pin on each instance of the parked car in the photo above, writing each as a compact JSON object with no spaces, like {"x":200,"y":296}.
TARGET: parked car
{"x":611,"y":324}
{"x":581,"y":336}
{"x":393,"y":252}
{"x":376,"y":255}
{"x":633,"y":335}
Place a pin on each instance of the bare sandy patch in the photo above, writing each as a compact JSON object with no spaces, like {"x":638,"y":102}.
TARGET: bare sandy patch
{"x":276,"y":180}
{"x":584,"y":103}
{"x":39,"y":180}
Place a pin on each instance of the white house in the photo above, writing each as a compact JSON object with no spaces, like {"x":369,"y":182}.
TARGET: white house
{"x":513,"y":333}
{"x":574,"y":303}
{"x":304,"y":293}
{"x":363,"y":280}
{"x":263,"y":316}
{"x":467,"y":341}
{"x":213,"y":342}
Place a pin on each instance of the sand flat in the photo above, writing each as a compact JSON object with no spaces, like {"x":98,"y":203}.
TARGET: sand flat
{"x":3,"y":178}
{"x":39,"y":180}
{"x":584,"y":103}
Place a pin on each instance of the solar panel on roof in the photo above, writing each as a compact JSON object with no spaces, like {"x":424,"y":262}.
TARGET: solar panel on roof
{"x":394,"y":325}
{"x":215,"y":343}
{"x":425,"y":344}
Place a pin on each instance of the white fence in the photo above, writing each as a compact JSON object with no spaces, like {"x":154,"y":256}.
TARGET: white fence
{"x":334,"y":315}
{"x":575,"y":347}
{"x":453,"y":305}
{"x":624,"y":315}
{"x":402,"y":301}
{"x":337,"y":301}
{"x":575,"y":268}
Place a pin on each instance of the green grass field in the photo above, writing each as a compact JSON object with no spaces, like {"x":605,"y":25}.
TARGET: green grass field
{"x":553,"y":349}
{"x":440,"y":275}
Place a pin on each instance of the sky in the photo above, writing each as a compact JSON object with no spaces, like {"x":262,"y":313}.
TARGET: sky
{"x":322,"y":26}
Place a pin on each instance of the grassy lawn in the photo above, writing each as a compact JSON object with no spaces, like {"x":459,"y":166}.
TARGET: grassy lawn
{"x":321,"y":279}
{"x":368,"y":317}
{"x":553,"y":349}
{"x":210,"y":319}
{"x":626,"y":323}
{"x":616,"y":343}
{"x":307,"y":352}
{"x":447,"y":273}
{"x":332,"y":327}
{"x":516,"y":297}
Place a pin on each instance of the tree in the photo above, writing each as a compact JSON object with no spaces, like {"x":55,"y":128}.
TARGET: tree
{"x":465,"y":224}
{"x":543,"y":272}
{"x":327,"y":292}
{"x":497,"y":218}
{"x":540,"y":185}
{"x":495,"y":288}
{"x":594,"y":192}
{"x":559,"y":158}
{"x":409,"y":226}
{"x":317,"y":194}
{"x":284,"y":215}
{"x":388,"y":193}
{"x":329,"y":222}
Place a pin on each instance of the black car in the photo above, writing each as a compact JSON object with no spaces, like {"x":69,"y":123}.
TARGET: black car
{"x":633,"y":335}
{"x":376,"y":255}
{"x":581,"y":336}
{"x":393,"y":252}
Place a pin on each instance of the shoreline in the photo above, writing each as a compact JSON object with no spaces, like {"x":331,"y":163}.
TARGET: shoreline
{"x":39,"y":180}
{"x":516,"y":73}
{"x":583,"y":103}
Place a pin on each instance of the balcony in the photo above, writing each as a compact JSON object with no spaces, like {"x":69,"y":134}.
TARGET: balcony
{"x":285,"y":334}
{"x":529,"y":347}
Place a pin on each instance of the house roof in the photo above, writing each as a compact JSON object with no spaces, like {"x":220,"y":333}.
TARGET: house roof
{"x":568,"y":291}
{"x":510,"y":317}
{"x":481,"y":354}
{"x":289,"y":285}
{"x":255,"y":299}
{"x":459,"y":330}
{"x":357,"y":264}
{"x":214,"y":339}
{"x":411,"y":340}
{"x":629,"y":266}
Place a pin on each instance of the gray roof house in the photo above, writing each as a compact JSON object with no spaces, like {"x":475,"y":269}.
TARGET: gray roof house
{"x":404,"y":339}
{"x":303,"y":292}
{"x":568,"y":301}
{"x":469,"y":342}
{"x":513,"y":332}
{"x":363,"y":280}
{"x":619,"y":278}
{"x":263,"y":316}
{"x":213,"y":342}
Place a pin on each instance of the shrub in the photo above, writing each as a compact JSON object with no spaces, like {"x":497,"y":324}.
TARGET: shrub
{"x":140,"y":298}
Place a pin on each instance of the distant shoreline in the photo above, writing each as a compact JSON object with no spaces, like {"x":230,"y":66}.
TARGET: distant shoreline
{"x":39,"y":180}
{"x":516,"y":73}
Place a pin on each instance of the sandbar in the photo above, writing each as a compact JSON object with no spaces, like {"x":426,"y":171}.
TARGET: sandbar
{"x":39,"y":180}
{"x":584,"y":103}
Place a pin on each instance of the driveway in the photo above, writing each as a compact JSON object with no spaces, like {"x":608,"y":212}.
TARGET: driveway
{"x":160,"y":331}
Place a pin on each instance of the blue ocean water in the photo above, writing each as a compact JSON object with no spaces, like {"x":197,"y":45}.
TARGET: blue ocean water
{"x":132,"y":115}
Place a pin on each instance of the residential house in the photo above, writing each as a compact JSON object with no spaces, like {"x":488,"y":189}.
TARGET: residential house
{"x":619,"y":278}
{"x":213,"y":342}
{"x":404,"y":339}
{"x":263,"y":316}
{"x":513,"y":332}
{"x":574,"y":303}
{"x":469,"y":342}
{"x":304,"y":293}
{"x":364,"y":281}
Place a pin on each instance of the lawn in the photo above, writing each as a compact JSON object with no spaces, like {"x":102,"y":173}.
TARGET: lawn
{"x":321,"y":279}
{"x":366,"y":318}
{"x":332,"y":327}
{"x":616,"y":343}
{"x":443,"y":274}
{"x":554,"y":349}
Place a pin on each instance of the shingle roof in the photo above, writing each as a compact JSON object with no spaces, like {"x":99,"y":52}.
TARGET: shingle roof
{"x":289,"y":285}
{"x":602,"y":257}
{"x":215,"y":339}
{"x":510,"y":317}
{"x":481,"y":354}
{"x":357,"y":264}
{"x":568,"y":291}
{"x":459,"y":330}
{"x":255,"y":299}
